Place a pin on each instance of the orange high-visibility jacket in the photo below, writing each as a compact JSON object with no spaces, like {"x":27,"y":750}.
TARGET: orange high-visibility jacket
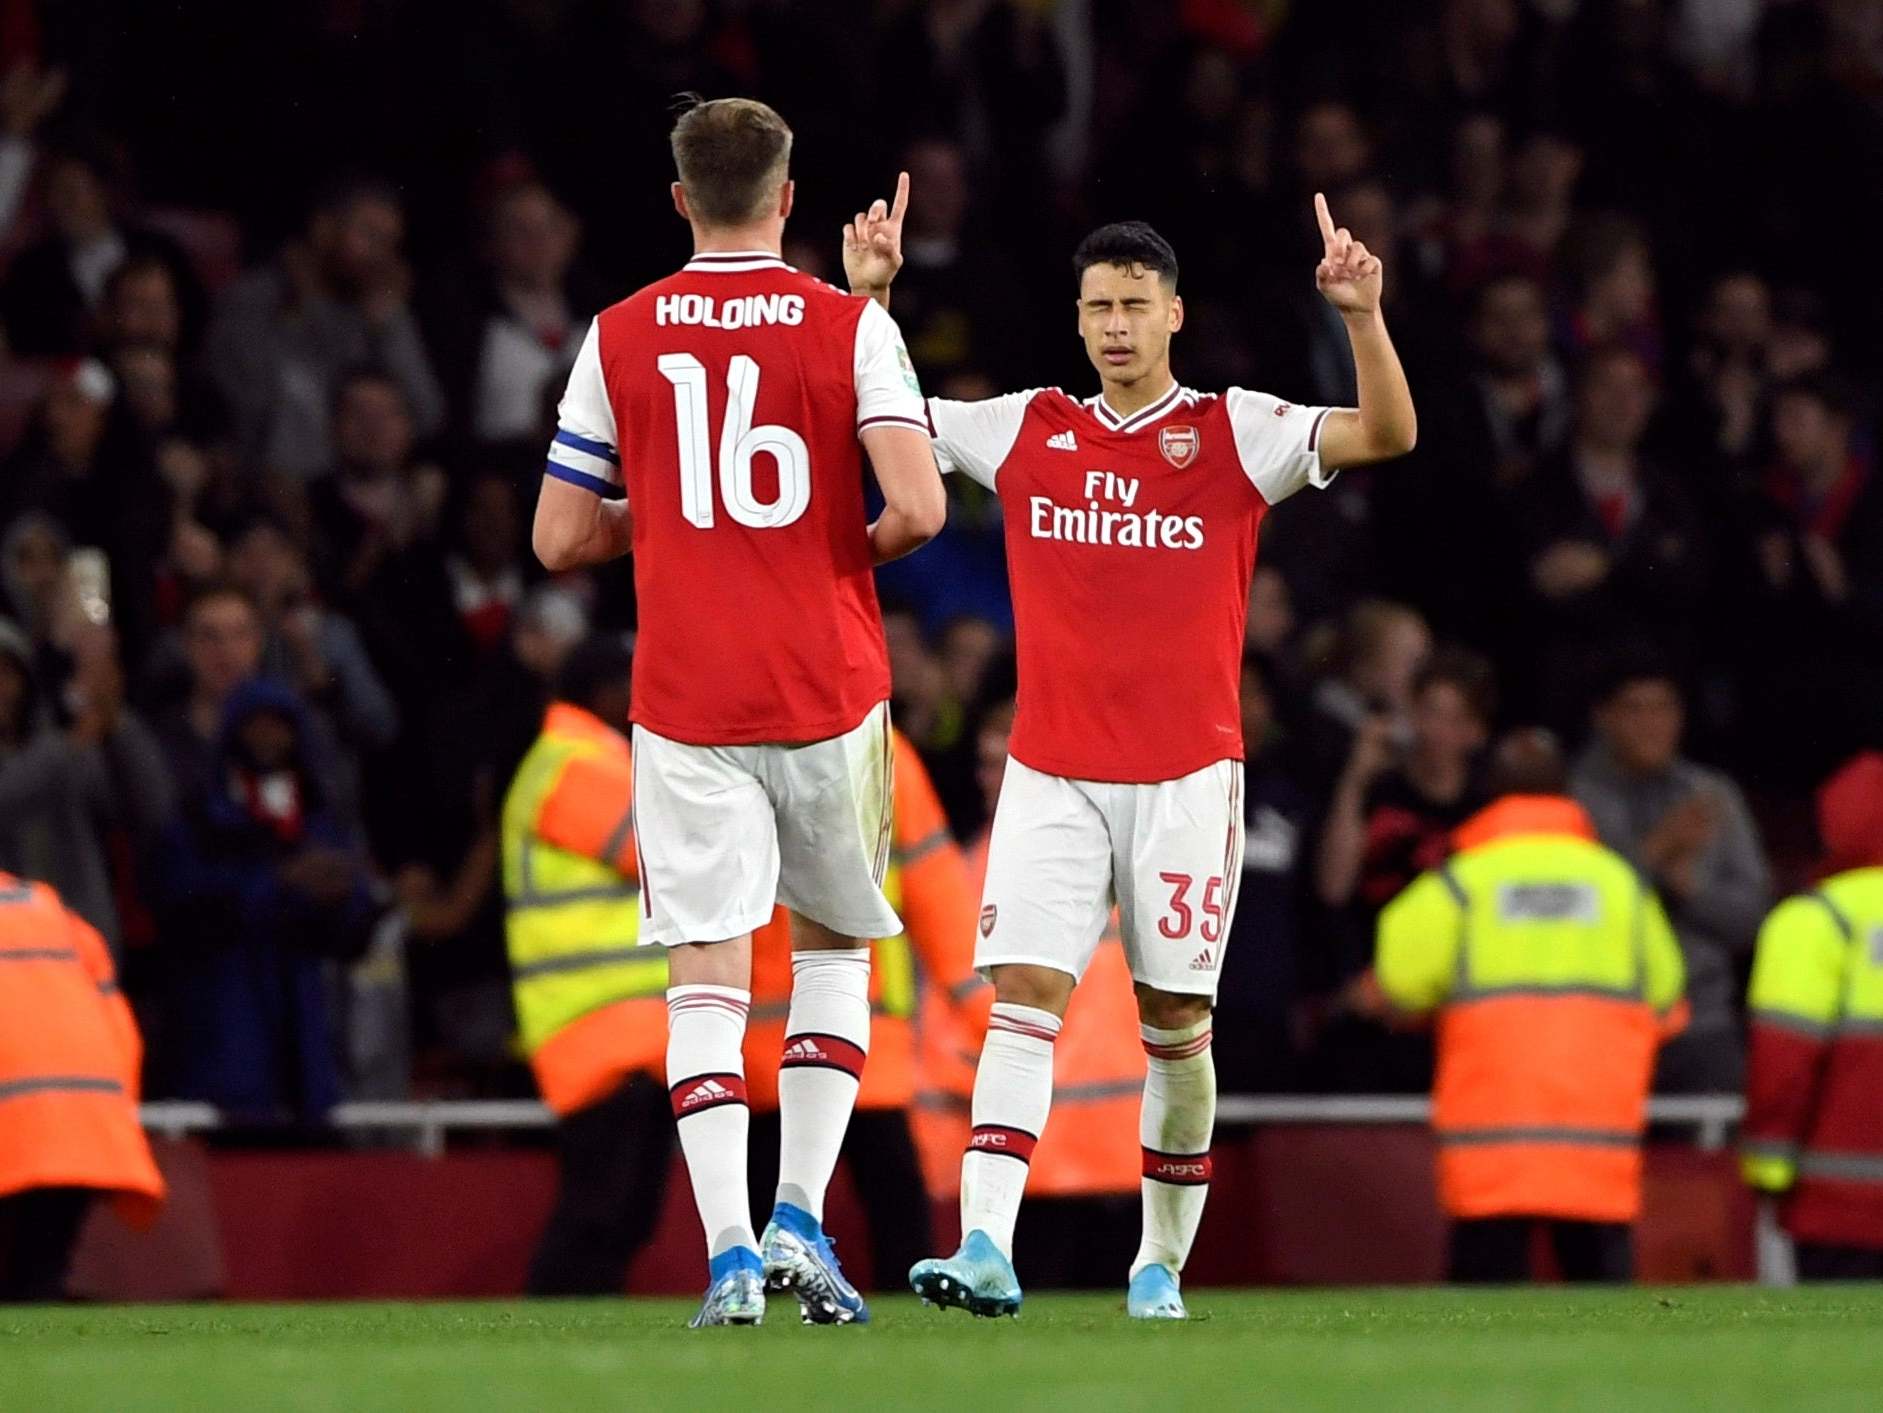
{"x":1090,"y":1146}
{"x":928,"y":885}
{"x":590,"y":1001}
{"x":69,"y":1057}
{"x":1554,"y":976}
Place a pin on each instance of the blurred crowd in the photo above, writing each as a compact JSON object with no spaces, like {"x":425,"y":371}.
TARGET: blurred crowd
{"x":288,"y":293}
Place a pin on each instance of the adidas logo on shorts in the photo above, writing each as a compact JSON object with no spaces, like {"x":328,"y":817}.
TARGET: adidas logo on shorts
{"x":1063,"y":441}
{"x":1204,"y":960}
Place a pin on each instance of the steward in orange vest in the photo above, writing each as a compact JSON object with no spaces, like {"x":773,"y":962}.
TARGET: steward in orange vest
{"x":929,"y":886}
{"x":1554,"y":977}
{"x":590,"y":1004}
{"x":69,"y":1061}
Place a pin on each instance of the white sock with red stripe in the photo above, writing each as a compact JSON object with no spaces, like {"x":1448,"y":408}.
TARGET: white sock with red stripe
{"x":1174,"y":1126}
{"x":706,"y":1081}
{"x":827,"y":1037}
{"x":1013,"y":1093}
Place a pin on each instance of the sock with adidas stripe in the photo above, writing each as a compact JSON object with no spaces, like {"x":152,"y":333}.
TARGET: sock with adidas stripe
{"x":706,"y":1081}
{"x":1013,"y":1093}
{"x":827,"y":1037}
{"x":1175,"y":1126}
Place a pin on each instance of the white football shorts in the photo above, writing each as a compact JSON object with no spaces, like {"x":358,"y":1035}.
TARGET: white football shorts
{"x":724,"y":832}
{"x":1062,"y":851}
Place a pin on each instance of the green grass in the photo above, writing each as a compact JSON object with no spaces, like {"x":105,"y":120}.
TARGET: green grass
{"x":1710,"y":1348}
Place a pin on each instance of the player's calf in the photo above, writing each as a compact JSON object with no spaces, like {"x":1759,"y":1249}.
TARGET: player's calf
{"x":1175,"y":1127}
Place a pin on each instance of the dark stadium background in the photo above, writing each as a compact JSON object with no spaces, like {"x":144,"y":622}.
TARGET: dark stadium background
{"x":1689,"y":191}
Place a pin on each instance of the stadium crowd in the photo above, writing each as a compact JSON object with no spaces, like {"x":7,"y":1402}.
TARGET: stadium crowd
{"x":264,"y":755}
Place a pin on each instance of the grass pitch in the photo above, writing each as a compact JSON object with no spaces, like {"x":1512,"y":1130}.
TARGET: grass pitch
{"x":1699,"y":1348}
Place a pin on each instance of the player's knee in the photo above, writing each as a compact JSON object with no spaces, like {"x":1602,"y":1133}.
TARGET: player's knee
{"x":1040,"y":987}
{"x":1166,"y":1010}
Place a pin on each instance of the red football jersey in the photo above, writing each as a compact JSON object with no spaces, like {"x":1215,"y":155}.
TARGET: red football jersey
{"x":726,"y":401}
{"x":1130,"y":547}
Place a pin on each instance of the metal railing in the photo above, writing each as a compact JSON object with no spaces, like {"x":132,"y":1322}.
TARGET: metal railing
{"x":429,"y":1122}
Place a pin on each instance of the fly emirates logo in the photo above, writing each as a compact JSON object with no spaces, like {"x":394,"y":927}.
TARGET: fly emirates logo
{"x":1108,"y":518}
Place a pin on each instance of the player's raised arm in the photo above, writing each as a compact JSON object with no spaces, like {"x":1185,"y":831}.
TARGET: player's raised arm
{"x":1385,"y":424}
{"x":872,"y":245}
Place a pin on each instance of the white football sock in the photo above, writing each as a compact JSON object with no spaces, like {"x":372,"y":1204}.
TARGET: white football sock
{"x":1175,"y":1125}
{"x":706,"y":1081}
{"x":1013,"y":1093}
{"x":827,"y":1037}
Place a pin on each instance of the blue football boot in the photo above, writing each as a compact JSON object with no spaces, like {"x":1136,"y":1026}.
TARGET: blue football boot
{"x":735,"y":1291}
{"x":1153,"y":1295}
{"x":977,"y":1278}
{"x":801,"y":1259}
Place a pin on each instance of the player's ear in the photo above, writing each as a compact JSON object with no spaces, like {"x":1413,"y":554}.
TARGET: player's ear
{"x":680,"y":202}
{"x":786,"y":195}
{"x":1176,"y":312}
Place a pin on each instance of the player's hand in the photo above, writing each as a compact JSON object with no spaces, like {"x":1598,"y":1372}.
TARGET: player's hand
{"x":1349,"y":276}
{"x":872,"y":242}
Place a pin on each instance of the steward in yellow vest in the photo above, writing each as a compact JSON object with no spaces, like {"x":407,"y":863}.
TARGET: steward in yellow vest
{"x":590,"y":1003}
{"x":1814,"y":1088}
{"x":1553,"y":976}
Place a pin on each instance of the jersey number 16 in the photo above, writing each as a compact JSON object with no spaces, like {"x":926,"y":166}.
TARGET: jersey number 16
{"x":739,"y":442}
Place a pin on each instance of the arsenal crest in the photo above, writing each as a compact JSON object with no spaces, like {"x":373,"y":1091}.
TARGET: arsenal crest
{"x":988,"y":914}
{"x":1179,"y":445}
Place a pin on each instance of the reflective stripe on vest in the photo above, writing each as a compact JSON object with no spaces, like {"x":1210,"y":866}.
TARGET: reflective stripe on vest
{"x":60,"y":1084}
{"x":572,"y":923}
{"x":1841,"y":1167}
{"x":1541,"y":1133}
{"x":40,"y":954}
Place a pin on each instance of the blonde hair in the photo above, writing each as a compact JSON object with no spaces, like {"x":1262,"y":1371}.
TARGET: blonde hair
{"x":732,"y":155}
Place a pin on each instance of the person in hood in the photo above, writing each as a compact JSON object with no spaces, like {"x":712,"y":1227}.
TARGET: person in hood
{"x":264,"y":888}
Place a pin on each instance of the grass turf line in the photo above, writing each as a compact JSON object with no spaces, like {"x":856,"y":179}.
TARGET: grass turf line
{"x":1550,"y":1348}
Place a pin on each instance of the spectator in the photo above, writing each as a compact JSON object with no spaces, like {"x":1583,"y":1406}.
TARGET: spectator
{"x":1255,"y":1013}
{"x":1727,"y":368}
{"x":1816,"y":620}
{"x":514,"y":332}
{"x":487,"y":565}
{"x":1391,"y":818}
{"x":141,"y":305}
{"x":1615,"y":552}
{"x":957,"y":301}
{"x":1375,"y":653}
{"x":54,"y":287}
{"x":305,"y":643}
{"x":439,"y":823}
{"x":1612,"y":289}
{"x":333,"y":299}
{"x":1519,"y":409}
{"x":263,"y":887}
{"x":57,"y":467}
{"x":63,"y":786}
{"x":1689,"y":831}
{"x":377,"y":520}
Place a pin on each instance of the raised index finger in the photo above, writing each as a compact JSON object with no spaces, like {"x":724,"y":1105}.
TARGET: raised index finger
{"x":901,"y":203}
{"x":1326,"y":220}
